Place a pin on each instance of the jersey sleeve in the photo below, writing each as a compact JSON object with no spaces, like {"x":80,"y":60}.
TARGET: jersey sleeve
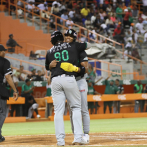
{"x":83,"y":57}
{"x":80,"y":46}
{"x":7,"y":68}
{"x":47,"y":62}
{"x":23,"y":88}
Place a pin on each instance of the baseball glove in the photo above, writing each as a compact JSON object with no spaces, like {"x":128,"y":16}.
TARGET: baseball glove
{"x":69,"y":67}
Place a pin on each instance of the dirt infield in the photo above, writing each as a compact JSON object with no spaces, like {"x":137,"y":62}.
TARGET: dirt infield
{"x":103,"y":139}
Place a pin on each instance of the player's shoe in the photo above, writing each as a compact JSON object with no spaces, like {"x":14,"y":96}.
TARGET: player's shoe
{"x":83,"y":142}
{"x":38,"y":116}
{"x":86,"y":138}
{"x":2,"y":139}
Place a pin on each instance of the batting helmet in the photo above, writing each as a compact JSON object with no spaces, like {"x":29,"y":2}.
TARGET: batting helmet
{"x":72,"y":33}
{"x":56,"y":36}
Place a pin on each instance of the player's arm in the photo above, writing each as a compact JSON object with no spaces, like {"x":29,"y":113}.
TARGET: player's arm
{"x":8,"y":72}
{"x":85,"y":65}
{"x":47,"y":62}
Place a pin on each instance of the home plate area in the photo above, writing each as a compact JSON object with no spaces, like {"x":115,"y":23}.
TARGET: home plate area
{"x":96,"y":139}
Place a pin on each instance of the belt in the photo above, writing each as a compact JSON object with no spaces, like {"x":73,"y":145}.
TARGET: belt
{"x":78,"y":78}
{"x":64,"y":75}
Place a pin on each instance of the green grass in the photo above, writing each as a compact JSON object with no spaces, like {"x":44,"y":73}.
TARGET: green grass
{"x":101,"y":125}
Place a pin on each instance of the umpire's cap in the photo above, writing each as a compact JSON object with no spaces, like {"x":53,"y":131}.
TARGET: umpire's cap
{"x":2,"y":48}
{"x":72,"y":33}
{"x":10,"y":35}
{"x":56,"y":36}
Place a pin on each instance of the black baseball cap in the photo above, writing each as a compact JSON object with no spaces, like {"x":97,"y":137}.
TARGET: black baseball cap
{"x":2,"y":48}
{"x":10,"y":35}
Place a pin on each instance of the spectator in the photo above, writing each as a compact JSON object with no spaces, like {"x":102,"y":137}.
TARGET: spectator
{"x":93,"y":18}
{"x":33,"y":55}
{"x":136,"y":54}
{"x":144,"y":6}
{"x":138,"y":88}
{"x":135,"y":11}
{"x":97,"y":22}
{"x":91,"y":72}
{"x":69,"y":6}
{"x":55,"y":9}
{"x":124,"y":7}
{"x":109,"y":9}
{"x":91,"y":91}
{"x":103,"y":28}
{"x":127,"y":2}
{"x":140,"y":17}
{"x":135,"y":37}
{"x":43,"y":6}
{"x":110,"y":89}
{"x":109,"y":23}
{"x":32,"y":76}
{"x":18,"y":75}
{"x":119,"y":13}
{"x":11,"y":44}
{"x":139,"y":26}
{"x":88,"y":24}
{"x":71,"y":14}
{"x":102,"y":7}
{"x":128,"y":36}
{"x":129,"y":43}
{"x":127,"y":52}
{"x":69,"y":23}
{"x":30,"y":103}
{"x":64,"y":16}
{"x":116,"y":106}
{"x":144,"y":16}
{"x":85,"y":11}
{"x":117,"y":34}
{"x":56,"y":2}
{"x":63,"y":7}
{"x":40,"y":75}
{"x":145,"y":37}
{"x":127,"y":18}
{"x":113,"y":18}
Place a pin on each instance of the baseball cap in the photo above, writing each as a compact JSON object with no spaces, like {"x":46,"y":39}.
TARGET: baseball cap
{"x":33,"y":69}
{"x":2,"y":48}
{"x":10,"y":35}
{"x":45,"y":3}
{"x":27,"y":80}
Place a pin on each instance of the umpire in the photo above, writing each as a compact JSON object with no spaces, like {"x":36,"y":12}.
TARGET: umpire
{"x":5,"y":75}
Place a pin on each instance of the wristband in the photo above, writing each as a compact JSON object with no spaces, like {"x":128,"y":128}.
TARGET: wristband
{"x":82,"y":70}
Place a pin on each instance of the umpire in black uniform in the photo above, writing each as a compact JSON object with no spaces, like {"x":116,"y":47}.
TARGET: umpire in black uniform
{"x":5,"y":75}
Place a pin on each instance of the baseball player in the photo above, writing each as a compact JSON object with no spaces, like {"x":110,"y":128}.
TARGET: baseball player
{"x":71,"y":36}
{"x":64,"y":85}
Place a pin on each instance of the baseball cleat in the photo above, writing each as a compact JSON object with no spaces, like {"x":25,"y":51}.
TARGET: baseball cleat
{"x":38,"y":116}
{"x":83,"y":142}
{"x":2,"y":139}
{"x":86,"y":138}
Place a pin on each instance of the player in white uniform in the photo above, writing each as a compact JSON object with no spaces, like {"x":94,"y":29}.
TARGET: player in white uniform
{"x":71,"y":36}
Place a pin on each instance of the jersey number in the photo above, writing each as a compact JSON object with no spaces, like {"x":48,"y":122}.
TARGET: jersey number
{"x":63,"y":54}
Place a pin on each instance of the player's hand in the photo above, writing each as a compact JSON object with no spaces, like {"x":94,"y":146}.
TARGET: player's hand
{"x":69,"y":67}
{"x":33,"y":88}
{"x":15,"y":96}
{"x":53,"y":64}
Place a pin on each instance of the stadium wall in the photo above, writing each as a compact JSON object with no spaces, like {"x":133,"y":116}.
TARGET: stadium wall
{"x":22,"y":32}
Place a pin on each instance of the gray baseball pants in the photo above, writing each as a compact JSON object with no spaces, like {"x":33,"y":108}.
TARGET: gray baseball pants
{"x":63,"y":88}
{"x":3,"y":110}
{"x":82,"y":85}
